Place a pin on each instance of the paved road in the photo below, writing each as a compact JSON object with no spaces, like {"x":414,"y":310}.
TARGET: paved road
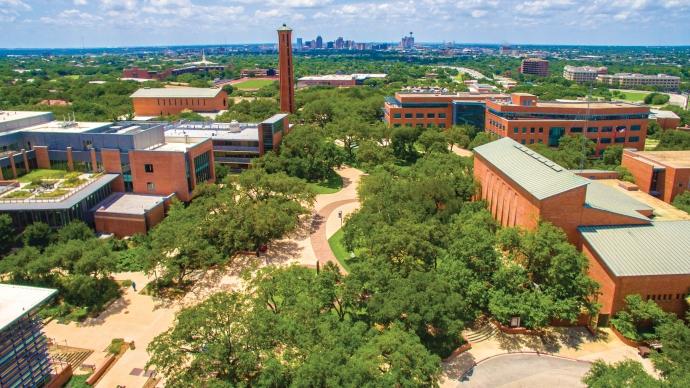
{"x":525,"y":370}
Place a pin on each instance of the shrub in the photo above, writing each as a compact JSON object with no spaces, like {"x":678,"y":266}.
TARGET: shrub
{"x":640,"y":319}
{"x":116,"y":346}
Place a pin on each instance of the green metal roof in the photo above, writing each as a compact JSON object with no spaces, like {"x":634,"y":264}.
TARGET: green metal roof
{"x":602,"y":197}
{"x":539,"y":176}
{"x":661,"y":248}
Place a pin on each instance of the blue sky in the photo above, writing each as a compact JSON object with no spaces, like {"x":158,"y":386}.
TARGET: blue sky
{"x":65,"y":23}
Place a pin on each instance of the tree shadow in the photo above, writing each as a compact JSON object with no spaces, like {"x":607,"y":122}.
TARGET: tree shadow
{"x":456,"y":366}
{"x":545,"y":342}
{"x":117,"y":307}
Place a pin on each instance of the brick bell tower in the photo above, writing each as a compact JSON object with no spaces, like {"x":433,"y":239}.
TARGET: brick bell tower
{"x":285,"y":66}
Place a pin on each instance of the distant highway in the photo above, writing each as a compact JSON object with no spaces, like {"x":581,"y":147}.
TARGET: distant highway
{"x":474,"y":73}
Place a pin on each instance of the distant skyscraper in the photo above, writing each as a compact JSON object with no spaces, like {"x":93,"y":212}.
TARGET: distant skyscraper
{"x":319,"y":42}
{"x":330,"y":45}
{"x":299,"y":44}
{"x":407,"y":42}
{"x":339,"y":43}
{"x":287,"y":77}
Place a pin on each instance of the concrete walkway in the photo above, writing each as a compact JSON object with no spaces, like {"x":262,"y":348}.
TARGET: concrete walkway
{"x":569,"y":342}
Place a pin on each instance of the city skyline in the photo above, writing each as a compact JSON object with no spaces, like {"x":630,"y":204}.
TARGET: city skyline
{"x":110,"y":23}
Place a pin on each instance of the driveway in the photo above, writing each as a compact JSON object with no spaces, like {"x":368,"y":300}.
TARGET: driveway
{"x":526,"y":370}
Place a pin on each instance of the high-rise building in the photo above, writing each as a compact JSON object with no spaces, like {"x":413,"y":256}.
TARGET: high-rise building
{"x":330,"y":45}
{"x":407,"y":42}
{"x":339,"y":43}
{"x":535,"y":66}
{"x":287,"y":77}
{"x":299,"y":44}
{"x":319,"y":42}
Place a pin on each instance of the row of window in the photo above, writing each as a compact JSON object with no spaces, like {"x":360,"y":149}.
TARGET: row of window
{"x":419,"y":115}
{"x":420,"y":125}
{"x":667,"y":297}
{"x":617,"y":140}
{"x":620,"y":128}
{"x":182,"y":102}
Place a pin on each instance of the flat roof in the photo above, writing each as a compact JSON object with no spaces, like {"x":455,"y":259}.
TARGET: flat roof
{"x":67,"y":127}
{"x":16,"y":301}
{"x":48,"y":204}
{"x":536,"y":174}
{"x":662,"y":211}
{"x":176,"y":93}
{"x":664,"y":114}
{"x":177,"y":144}
{"x":126,"y":203}
{"x":661,"y":248}
{"x":12,"y":115}
{"x":221,"y":131}
{"x":677,"y":159}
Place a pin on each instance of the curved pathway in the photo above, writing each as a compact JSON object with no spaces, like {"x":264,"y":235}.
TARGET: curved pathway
{"x":526,"y":370}
{"x":326,"y":217}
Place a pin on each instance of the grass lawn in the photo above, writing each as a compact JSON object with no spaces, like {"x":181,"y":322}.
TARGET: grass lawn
{"x":650,"y":144}
{"x":332,"y":185}
{"x":338,"y":248}
{"x":253,"y":84}
{"x":634,"y":96}
{"x":42,"y":174}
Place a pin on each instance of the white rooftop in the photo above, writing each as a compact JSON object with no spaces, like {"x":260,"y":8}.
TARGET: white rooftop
{"x":12,"y":115}
{"x":125,"y":203}
{"x":15,"y":301}
{"x":220,"y":131}
{"x":176,"y":144}
{"x":176,"y":93}
{"x":67,"y":127}
{"x":664,"y":114}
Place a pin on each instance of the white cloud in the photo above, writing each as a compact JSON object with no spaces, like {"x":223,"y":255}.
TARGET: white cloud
{"x":477,"y":13}
{"x":72,"y":17}
{"x":81,"y":2}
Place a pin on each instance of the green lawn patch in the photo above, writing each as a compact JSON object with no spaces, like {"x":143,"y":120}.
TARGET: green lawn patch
{"x":78,"y":381}
{"x":633,"y":96}
{"x":18,"y":194}
{"x":42,"y":174}
{"x":333,"y":184}
{"x":650,"y":144}
{"x":53,"y":194}
{"x":253,"y":84}
{"x":338,"y":248}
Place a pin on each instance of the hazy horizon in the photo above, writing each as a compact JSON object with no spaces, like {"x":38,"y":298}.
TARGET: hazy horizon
{"x":26,"y":24}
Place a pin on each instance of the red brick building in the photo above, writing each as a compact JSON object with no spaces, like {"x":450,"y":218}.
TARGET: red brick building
{"x":663,"y":174}
{"x":529,"y":121}
{"x":535,"y":66}
{"x":170,"y":101}
{"x":128,"y":214}
{"x":135,"y":72}
{"x":522,"y":188}
{"x":427,"y":108}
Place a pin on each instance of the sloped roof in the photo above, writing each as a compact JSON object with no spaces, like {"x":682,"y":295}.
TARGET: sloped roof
{"x":602,"y":197}
{"x":661,"y":248}
{"x":538,"y":175}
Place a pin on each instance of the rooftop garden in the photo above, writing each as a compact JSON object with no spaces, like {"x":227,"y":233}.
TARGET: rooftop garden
{"x":47,"y":184}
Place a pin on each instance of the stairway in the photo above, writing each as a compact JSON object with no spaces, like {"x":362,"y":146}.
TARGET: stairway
{"x":481,"y":332}
{"x":73,"y":356}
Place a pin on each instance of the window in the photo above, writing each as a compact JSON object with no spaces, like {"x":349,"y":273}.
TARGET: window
{"x":442,"y":125}
{"x":635,"y":128}
{"x":524,"y":130}
{"x":419,"y":115}
{"x":150,"y":187}
{"x":148,"y":167}
{"x":541,"y":130}
{"x":408,"y":124}
{"x":634,"y":139}
{"x":523,"y":141}
{"x":397,"y":115}
{"x":621,"y":128}
{"x":539,"y":141}
{"x":606,"y":129}
{"x":420,"y":125}
{"x":576,"y":130}
{"x":620,"y":140}
{"x":430,"y":115}
{"x":516,"y":130}
{"x":592,"y":129}
{"x":429,"y":125}
{"x":396,"y":125}
{"x":605,"y":140}
{"x":531,"y":141}
{"x":531,"y":130}
{"x":408,"y":115}
{"x":441,"y":115}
